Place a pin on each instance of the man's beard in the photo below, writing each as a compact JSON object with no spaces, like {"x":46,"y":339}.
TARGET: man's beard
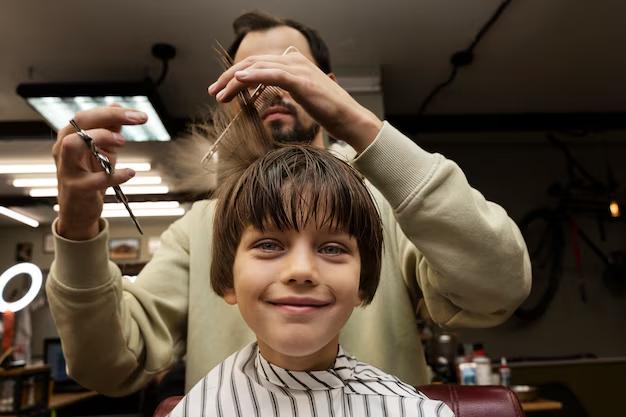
{"x":299,"y":133}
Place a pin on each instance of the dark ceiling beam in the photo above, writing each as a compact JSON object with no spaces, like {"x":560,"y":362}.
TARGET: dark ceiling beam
{"x":410,"y":124}
{"x":26,"y":130}
{"x":37,"y":130}
{"x":515,"y":122}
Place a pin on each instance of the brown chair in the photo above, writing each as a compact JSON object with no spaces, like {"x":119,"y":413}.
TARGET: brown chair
{"x":463,"y":400}
{"x":476,"y":401}
{"x":166,"y":406}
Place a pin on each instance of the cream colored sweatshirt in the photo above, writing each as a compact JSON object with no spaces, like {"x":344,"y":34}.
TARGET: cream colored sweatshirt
{"x":443,"y":242}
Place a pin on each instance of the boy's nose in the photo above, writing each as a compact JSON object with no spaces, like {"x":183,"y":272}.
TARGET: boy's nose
{"x":301,"y":269}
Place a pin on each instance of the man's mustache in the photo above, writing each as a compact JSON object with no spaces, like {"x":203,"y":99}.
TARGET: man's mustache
{"x":277,"y":101}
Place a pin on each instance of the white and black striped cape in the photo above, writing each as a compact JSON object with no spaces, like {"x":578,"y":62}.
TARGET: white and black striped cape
{"x":246,"y":385}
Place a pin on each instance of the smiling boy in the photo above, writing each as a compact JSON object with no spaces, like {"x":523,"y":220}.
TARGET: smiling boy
{"x":299,"y":241}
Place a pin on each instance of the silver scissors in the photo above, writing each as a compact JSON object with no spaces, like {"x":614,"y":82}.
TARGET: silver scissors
{"x":105,"y":163}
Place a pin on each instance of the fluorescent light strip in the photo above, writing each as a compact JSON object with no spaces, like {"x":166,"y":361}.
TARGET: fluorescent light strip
{"x":19,"y":217}
{"x":140,"y":205}
{"x":52,"y":182}
{"x":130,"y":190}
{"x":35,"y":182}
{"x":27,"y":168}
{"x":51,"y":168}
{"x":145,"y":213}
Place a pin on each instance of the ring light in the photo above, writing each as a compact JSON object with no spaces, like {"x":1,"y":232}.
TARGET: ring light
{"x":35,"y":285}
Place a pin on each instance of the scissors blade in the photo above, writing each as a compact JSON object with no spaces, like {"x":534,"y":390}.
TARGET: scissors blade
{"x":119,"y":195}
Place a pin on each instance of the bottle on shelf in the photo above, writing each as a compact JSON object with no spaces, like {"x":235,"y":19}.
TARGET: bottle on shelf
{"x":467,"y":371}
{"x":483,"y":365}
{"x":505,"y":372}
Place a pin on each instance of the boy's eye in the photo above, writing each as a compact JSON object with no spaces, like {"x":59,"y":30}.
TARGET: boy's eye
{"x":332,"y":250}
{"x":267,"y":245}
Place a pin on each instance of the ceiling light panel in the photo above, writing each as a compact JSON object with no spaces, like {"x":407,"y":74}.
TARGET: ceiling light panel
{"x":58,"y":111}
{"x":58,"y":103}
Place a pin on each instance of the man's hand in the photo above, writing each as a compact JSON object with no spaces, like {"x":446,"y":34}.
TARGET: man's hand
{"x":320,"y":96}
{"x":81,"y":180}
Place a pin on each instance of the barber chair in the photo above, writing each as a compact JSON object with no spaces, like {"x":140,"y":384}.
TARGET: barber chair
{"x":463,"y":400}
{"x":476,"y":401}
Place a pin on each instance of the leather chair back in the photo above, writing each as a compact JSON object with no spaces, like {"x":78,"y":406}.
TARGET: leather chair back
{"x":476,"y":401}
{"x":463,"y":400}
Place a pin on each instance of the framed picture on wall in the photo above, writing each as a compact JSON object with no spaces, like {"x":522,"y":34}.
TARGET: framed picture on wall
{"x":124,"y":249}
{"x":24,"y":252}
{"x":48,"y":243}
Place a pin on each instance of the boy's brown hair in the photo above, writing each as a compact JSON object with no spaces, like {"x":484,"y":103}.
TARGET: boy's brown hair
{"x":287,"y":188}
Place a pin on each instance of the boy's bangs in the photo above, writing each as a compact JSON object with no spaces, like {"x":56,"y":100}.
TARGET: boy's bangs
{"x":295,"y":210}
{"x":288,"y":197}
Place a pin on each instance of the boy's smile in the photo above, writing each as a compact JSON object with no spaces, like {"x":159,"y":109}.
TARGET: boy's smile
{"x":298,"y":304}
{"x":296,"y":290}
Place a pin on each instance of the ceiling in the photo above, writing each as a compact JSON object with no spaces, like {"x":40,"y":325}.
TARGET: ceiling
{"x":555,"y":56}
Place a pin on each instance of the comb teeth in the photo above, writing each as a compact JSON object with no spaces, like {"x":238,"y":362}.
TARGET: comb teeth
{"x":267,"y":95}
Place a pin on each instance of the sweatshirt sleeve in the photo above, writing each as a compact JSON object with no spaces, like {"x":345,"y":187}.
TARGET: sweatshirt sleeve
{"x":466,"y":254}
{"x":117,"y":335}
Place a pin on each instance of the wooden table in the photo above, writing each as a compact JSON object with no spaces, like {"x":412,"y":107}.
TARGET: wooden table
{"x":541,"y":405}
{"x":59,"y":400}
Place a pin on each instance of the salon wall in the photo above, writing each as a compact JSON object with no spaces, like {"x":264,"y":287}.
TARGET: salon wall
{"x":513,"y":170}
{"x":42,"y":324}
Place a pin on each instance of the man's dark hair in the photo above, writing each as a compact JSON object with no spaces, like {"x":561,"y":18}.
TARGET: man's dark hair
{"x":257,"y":21}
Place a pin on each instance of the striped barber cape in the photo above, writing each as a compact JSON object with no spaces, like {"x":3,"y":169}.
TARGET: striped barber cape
{"x":246,"y":385}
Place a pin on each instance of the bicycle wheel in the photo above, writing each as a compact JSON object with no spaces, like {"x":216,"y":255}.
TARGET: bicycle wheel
{"x":543,"y":232}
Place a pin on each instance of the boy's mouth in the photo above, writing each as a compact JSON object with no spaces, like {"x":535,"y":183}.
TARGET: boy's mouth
{"x":299,"y":304}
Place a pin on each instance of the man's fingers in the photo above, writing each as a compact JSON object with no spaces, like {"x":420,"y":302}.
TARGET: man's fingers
{"x":73,"y":147}
{"x":109,"y":117}
{"x":100,"y":180}
{"x":104,"y":138}
{"x":120,"y":176}
{"x":264,"y":61}
{"x":277,"y":77}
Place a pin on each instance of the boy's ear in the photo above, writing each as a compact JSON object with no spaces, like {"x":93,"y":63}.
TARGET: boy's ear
{"x":360,"y":299}
{"x":229,"y":296}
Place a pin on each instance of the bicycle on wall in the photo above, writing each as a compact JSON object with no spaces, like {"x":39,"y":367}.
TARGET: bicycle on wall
{"x":547,"y":231}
